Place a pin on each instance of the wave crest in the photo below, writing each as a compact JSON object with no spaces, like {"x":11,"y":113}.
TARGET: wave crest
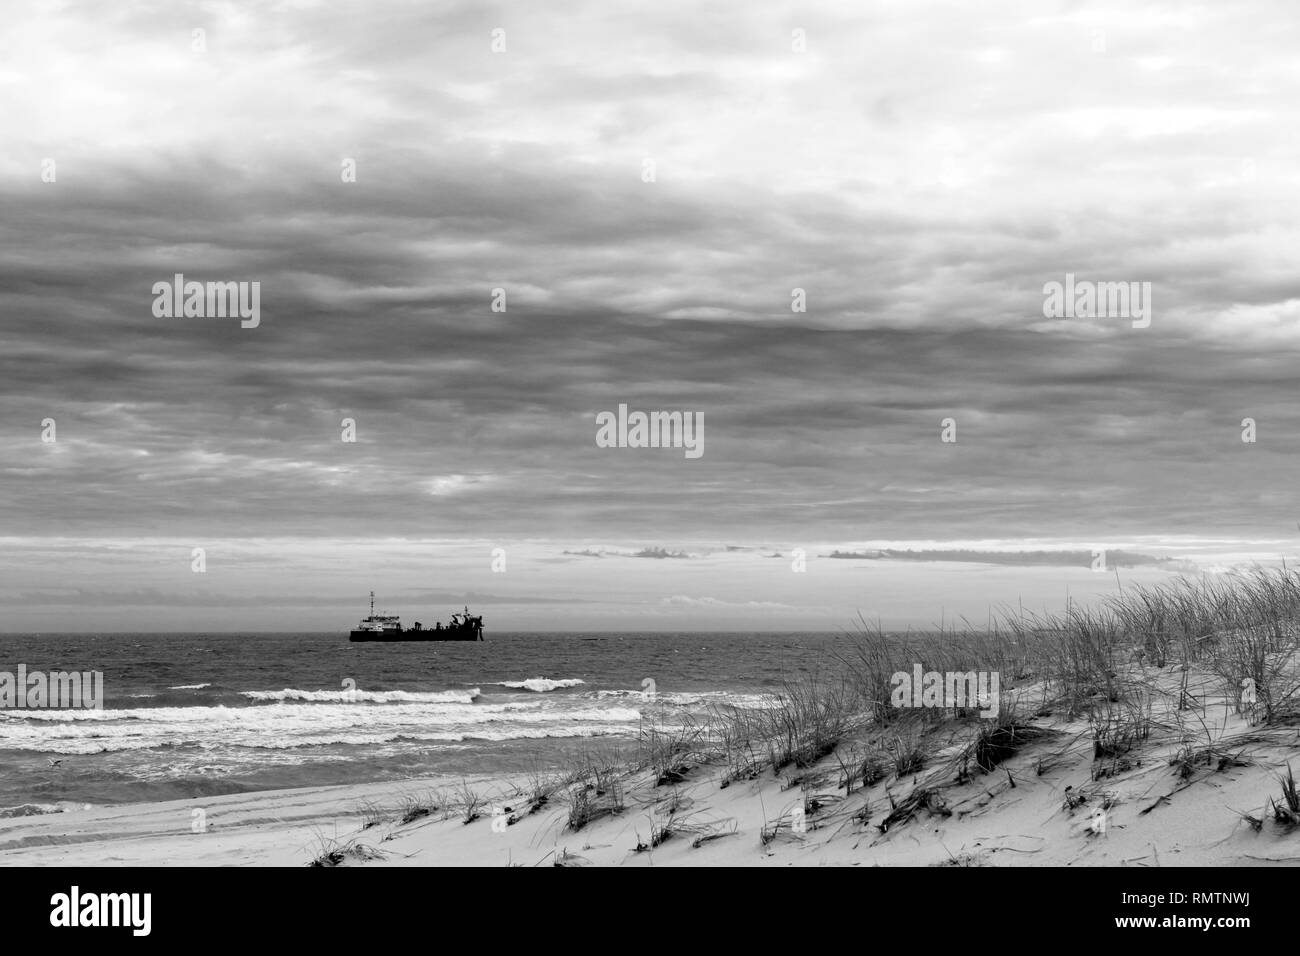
{"x":366,"y":696}
{"x":541,"y":684}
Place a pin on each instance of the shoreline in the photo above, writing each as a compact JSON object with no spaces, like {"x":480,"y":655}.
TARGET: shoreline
{"x":1038,"y":807}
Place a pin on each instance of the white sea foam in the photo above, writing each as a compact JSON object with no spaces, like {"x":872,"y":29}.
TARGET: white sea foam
{"x":365,"y":696}
{"x":289,"y":724}
{"x":189,"y":687}
{"x":36,"y":809}
{"x":686,"y":699}
{"x":542,"y":684}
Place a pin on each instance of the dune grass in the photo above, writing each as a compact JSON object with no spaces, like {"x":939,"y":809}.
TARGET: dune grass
{"x":1287,"y":811}
{"x":1121,"y":669}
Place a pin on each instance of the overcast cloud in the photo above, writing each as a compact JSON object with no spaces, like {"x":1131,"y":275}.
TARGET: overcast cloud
{"x":921,"y":171}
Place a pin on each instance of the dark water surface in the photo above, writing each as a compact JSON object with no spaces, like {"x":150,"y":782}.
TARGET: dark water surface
{"x":193,"y":714}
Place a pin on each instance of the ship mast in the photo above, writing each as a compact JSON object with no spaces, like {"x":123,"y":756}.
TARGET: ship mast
{"x":372,"y":603}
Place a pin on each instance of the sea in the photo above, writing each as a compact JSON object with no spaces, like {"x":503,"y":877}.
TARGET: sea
{"x":188,"y":715}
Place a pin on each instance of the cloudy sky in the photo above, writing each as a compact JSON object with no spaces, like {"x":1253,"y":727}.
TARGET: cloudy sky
{"x":920,"y":170}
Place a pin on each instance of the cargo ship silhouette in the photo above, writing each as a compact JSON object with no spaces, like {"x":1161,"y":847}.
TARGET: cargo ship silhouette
{"x":388,"y":627}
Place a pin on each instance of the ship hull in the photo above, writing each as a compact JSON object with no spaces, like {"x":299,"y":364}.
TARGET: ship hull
{"x":393,"y":636}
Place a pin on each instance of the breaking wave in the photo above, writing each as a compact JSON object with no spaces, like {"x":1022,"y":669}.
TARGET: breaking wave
{"x":686,"y":700}
{"x":292,"y":723}
{"x":365,"y":696}
{"x":541,"y":684}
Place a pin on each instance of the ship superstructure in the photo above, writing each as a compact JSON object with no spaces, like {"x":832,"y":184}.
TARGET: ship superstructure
{"x":388,"y":627}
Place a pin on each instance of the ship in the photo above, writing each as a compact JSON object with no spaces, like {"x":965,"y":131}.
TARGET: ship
{"x":388,"y":627}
